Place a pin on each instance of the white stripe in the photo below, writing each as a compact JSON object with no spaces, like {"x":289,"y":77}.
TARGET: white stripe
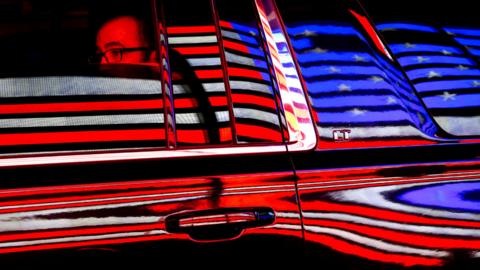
{"x":189,"y":118}
{"x":460,"y":126}
{"x":238,"y":59}
{"x":81,"y":238}
{"x":373,"y":196}
{"x":231,"y":35}
{"x":222,"y":116}
{"x":287,"y":215}
{"x":18,"y":218}
{"x":376,"y":244}
{"x":257,"y":115}
{"x":82,"y":120}
{"x":192,"y":40}
{"x":286,"y":227}
{"x":443,"y":231}
{"x":199,"y":62}
{"x":208,"y":87}
{"x":475,"y":254}
{"x":142,"y":155}
{"x":76,"y":85}
{"x":34,"y":224}
{"x":251,"y":86}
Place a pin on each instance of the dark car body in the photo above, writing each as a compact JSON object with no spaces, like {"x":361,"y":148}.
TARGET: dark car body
{"x":335,"y":132}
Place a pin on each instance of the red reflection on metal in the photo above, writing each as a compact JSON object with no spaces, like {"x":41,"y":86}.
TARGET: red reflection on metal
{"x":81,"y":106}
{"x":357,"y":250}
{"x":371,"y":32}
{"x":198,"y":50}
{"x":191,"y":29}
{"x":81,"y":136}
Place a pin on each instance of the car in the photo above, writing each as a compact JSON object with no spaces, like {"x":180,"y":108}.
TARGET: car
{"x":266,"y":132}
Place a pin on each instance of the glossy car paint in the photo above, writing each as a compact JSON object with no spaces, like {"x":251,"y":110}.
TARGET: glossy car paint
{"x":375,"y":193}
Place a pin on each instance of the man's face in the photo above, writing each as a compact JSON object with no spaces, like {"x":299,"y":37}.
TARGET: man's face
{"x":121,"y":40}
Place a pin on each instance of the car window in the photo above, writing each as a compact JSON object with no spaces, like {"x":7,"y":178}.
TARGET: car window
{"x":89,"y":75}
{"x":231,"y":81}
{"x":61,"y":90}
{"x":360,"y":97}
{"x":439,"y":48}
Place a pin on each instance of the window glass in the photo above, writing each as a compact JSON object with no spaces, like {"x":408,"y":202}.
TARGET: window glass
{"x":221,"y":75}
{"x":249,"y":73}
{"x":201,"y":104}
{"x":360,"y":97}
{"x":439,"y":48}
{"x":79,"y":75}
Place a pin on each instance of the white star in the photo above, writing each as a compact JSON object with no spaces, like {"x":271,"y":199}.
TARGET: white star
{"x":446,"y":52}
{"x":376,"y":79}
{"x":409,"y":45}
{"x":450,"y":33}
{"x":344,"y":88}
{"x":462,"y":67}
{"x":358,"y":112}
{"x":476,"y":83}
{"x":434,"y":74}
{"x":253,"y":33}
{"x":359,"y":58}
{"x":318,"y":50}
{"x":333,"y":69}
{"x":308,"y":33}
{"x":447,"y":96}
{"x":422,"y":59}
{"x":391,"y":100}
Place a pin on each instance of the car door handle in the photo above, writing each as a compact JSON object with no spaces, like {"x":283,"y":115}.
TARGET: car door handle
{"x":218,"y":224}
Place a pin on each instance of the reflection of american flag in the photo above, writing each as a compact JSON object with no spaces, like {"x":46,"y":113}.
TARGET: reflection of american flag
{"x":254,"y":106}
{"x":352,"y":88}
{"x":401,"y":220}
{"x":76,"y":112}
{"x":443,"y":65}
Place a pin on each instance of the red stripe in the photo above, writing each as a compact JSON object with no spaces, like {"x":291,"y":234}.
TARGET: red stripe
{"x":198,"y":50}
{"x":94,"y":243}
{"x":235,"y":46}
{"x":370,"y":31}
{"x":78,"y":232}
{"x":371,"y":254}
{"x":409,"y":238}
{"x":81,"y":136}
{"x":209,"y":74}
{"x":226,"y":135}
{"x":246,"y":73}
{"x":197,"y":136}
{"x":81,"y":106}
{"x":259,"y":132}
{"x":191,"y":29}
{"x":226,"y":24}
{"x":256,"y":100}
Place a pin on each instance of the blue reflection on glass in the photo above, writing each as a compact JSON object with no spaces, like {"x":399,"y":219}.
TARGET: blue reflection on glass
{"x":351,"y":85}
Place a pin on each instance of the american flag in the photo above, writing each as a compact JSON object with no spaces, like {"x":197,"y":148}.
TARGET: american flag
{"x":352,"y":87}
{"x":442,"y":63}
{"x":254,"y":107}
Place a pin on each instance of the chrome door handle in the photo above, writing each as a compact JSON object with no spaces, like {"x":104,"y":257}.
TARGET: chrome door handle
{"x":219,"y":224}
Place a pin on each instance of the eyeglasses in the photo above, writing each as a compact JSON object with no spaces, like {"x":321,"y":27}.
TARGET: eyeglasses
{"x":114,"y":55}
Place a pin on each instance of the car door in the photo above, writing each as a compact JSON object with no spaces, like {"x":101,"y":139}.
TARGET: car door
{"x":181,"y":156}
{"x":390,"y":185}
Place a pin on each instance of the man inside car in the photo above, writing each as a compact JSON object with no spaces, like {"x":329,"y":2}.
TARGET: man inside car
{"x":125,"y":40}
